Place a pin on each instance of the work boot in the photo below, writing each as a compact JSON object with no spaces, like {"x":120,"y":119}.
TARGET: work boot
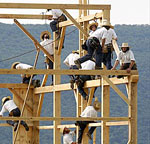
{"x":89,"y":135}
{"x":72,"y":83}
{"x":78,"y":64}
{"x":15,"y":126}
{"x":25,"y":126}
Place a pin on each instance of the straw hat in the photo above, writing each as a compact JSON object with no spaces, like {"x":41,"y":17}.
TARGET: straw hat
{"x":14,"y":65}
{"x":106,"y":23}
{"x":42,"y":35}
{"x":125,"y":45}
{"x":97,"y":104}
{"x":4,"y":98}
{"x":92,"y":24}
{"x":75,"y":51}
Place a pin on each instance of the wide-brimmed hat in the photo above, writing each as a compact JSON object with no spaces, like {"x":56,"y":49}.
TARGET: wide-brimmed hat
{"x":105,"y":22}
{"x":62,"y":129}
{"x":75,"y":51}
{"x":4,"y":98}
{"x":43,"y":33}
{"x":97,"y":104}
{"x":125,"y":45}
{"x":92,"y":24}
{"x":14,"y":65}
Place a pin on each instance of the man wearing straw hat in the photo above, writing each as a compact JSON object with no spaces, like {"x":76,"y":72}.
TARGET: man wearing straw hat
{"x":10,"y":106}
{"x":67,"y":135}
{"x":126,"y":58}
{"x":47,"y":44}
{"x":91,"y":112}
{"x":94,"y":45}
{"x":92,"y":27}
{"x":25,"y":77}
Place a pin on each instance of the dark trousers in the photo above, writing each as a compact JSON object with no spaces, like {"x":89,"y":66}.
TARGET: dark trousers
{"x":82,"y":125}
{"x":55,"y":22}
{"x":26,"y":80}
{"x":49,"y":65}
{"x":73,"y":77}
{"x":16,"y":113}
{"x":107,"y":59}
{"x":91,"y":51}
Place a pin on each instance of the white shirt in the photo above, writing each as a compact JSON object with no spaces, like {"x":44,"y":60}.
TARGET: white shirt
{"x":125,"y":57}
{"x":69,"y":61}
{"x":88,"y":65}
{"x":8,"y":106}
{"x":23,"y":66}
{"x":48,"y":46}
{"x":56,"y":13}
{"x":110,"y":35}
{"x":100,"y":33}
{"x":89,"y":112}
{"x":68,"y":138}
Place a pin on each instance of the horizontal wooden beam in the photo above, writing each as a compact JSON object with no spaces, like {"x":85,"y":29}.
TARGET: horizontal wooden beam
{"x":66,"y":118}
{"x":68,"y":72}
{"x":23,"y":16}
{"x":82,"y":19}
{"x":14,"y":85}
{"x":54,"y":6}
{"x":88,"y":84}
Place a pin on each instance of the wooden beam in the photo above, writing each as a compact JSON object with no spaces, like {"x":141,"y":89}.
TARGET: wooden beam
{"x":121,"y":123}
{"x":88,"y":84}
{"x":61,"y":41}
{"x":23,"y":16}
{"x":15,"y":85}
{"x":81,"y":19}
{"x":66,"y":118}
{"x":91,"y":96}
{"x":75,"y":22}
{"x":34,"y":40}
{"x":117,"y":90}
{"x":68,"y":72}
{"x":41,"y":96}
{"x":53,"y":6}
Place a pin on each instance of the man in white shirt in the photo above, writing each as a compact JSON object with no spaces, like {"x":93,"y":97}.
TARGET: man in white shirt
{"x":10,"y":106}
{"x":94,"y":45}
{"x":58,"y":16}
{"x":90,"y":111}
{"x":108,"y":49}
{"x":47,"y":44}
{"x":25,"y":77}
{"x":126,"y":58}
{"x":92,"y":27}
{"x":67,"y":135}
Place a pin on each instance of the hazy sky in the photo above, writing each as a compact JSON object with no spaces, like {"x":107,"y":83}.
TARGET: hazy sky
{"x":122,"y":11}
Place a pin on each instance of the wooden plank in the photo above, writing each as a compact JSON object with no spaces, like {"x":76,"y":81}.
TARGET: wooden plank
{"x":68,"y":72}
{"x":66,"y":118}
{"x":39,"y":108}
{"x":53,"y":6}
{"x":34,"y":40}
{"x":121,"y":123}
{"x":117,"y":90}
{"x":75,"y":22}
{"x":115,"y":45}
{"x":91,"y":96}
{"x":14,"y":85}
{"x":88,"y":84}
{"x":61,"y":41}
{"x":23,"y":16}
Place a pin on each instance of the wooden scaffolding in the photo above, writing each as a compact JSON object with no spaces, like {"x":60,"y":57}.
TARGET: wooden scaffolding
{"x":30,"y":99}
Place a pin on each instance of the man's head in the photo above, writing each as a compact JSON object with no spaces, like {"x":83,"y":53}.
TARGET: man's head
{"x":4,"y":99}
{"x":97,"y":105}
{"x":64,"y":130}
{"x":125,"y":47}
{"x":93,"y":26}
{"x":106,"y":24}
{"x":13,"y":66}
{"x":45,"y":35}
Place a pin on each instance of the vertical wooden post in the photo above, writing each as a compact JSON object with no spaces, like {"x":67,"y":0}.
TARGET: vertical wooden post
{"x":132,"y":95}
{"x":105,"y":112}
{"x":106,"y":15}
{"x":56,"y":95}
{"x":26,"y":137}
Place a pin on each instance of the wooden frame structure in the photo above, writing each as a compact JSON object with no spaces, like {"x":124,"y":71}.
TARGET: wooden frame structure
{"x":33,"y":103}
